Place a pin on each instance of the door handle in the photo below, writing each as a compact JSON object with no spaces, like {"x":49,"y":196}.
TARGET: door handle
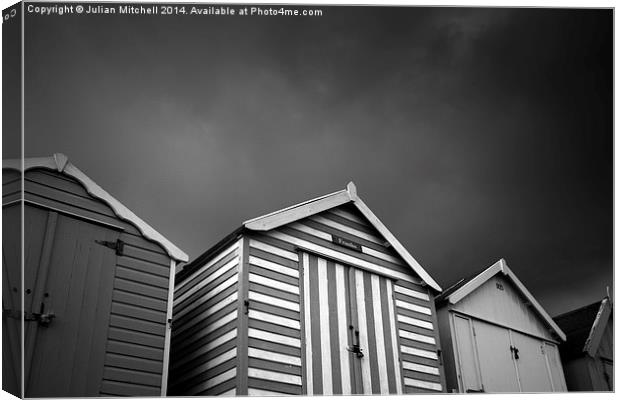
{"x":356,"y":349}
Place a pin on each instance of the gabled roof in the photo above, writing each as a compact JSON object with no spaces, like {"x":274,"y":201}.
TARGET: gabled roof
{"x":349,"y":195}
{"x":584,"y":328}
{"x":59,"y":162}
{"x":465,"y":287}
{"x":307,"y":208}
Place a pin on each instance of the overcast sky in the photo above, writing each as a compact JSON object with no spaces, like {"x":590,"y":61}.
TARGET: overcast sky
{"x":473,"y":134}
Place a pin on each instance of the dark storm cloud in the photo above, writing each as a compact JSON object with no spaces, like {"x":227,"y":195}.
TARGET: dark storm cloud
{"x":474,"y":134}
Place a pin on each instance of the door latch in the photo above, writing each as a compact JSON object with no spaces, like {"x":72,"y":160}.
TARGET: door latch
{"x":44,"y":319}
{"x":515,"y":352}
{"x":117,"y":246}
{"x":356,"y":349}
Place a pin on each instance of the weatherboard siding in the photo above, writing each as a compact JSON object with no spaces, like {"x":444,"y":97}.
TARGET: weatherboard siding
{"x":204,"y":348}
{"x":133,"y":361}
{"x":274,"y":328}
{"x":419,"y":338}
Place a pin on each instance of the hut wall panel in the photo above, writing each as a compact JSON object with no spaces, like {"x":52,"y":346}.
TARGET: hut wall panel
{"x":315,"y":234}
{"x":133,"y":362}
{"x":498,"y":301}
{"x":204,"y":335}
{"x":274,"y":345}
{"x":138,"y":318}
{"x":418,"y":337}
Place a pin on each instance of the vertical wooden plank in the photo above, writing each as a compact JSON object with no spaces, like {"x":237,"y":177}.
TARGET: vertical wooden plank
{"x":105,"y":284}
{"x":390,"y":354}
{"x":379,"y":339}
{"x":394,"y":335}
{"x":317,"y":346}
{"x":512,"y":343}
{"x":168,"y":334}
{"x":97,"y":285}
{"x":369,"y":329}
{"x":469,"y":377}
{"x":442,"y":373}
{"x":242,"y":321}
{"x":41,"y":281}
{"x":363,"y":331}
{"x":336,"y":324}
{"x":343,"y":325}
{"x":356,"y":379}
{"x":326,"y":356}
{"x":307,"y":328}
{"x":553,"y":357}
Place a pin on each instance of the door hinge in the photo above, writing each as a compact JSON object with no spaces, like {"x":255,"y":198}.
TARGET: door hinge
{"x":117,"y":246}
{"x":7,"y":313}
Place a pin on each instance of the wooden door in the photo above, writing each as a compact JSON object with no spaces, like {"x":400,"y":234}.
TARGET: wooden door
{"x":531,"y":363}
{"x":73,"y":283}
{"x":555,"y":367}
{"x":466,"y":355}
{"x":12,"y":298}
{"x":497,"y":367}
{"x":350,"y":344}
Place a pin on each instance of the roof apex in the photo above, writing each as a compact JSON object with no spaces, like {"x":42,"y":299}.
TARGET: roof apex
{"x":473,"y":283}
{"x":348,"y":195}
{"x":352,"y":190}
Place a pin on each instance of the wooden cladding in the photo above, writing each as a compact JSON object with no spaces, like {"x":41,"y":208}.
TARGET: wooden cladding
{"x":203,"y":355}
{"x":274,"y":345}
{"x":110,"y":308}
{"x":281,"y":301}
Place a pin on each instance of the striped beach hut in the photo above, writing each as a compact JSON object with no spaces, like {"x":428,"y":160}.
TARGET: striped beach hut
{"x":497,"y":337}
{"x":95,"y":296}
{"x":317,"y":298}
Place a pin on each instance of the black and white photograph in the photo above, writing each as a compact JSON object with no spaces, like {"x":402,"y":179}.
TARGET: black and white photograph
{"x":295,"y":199}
